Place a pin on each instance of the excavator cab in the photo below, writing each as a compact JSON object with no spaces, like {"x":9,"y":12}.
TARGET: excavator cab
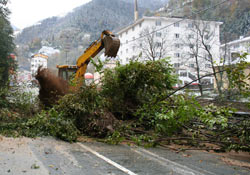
{"x":107,"y":41}
{"x":66,"y":72}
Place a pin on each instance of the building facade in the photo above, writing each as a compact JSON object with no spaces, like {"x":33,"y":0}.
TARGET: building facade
{"x":232,"y":50}
{"x":152,"y":38}
{"x":38,"y":60}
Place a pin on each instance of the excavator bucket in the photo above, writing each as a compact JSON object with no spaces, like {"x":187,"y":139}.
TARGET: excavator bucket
{"x":111,"y":45}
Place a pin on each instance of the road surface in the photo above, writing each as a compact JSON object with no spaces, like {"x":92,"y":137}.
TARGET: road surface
{"x":47,"y":156}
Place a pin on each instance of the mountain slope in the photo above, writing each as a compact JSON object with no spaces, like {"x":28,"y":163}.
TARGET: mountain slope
{"x":91,"y":18}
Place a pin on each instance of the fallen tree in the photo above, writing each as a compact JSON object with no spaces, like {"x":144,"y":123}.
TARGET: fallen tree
{"x":134,"y":105}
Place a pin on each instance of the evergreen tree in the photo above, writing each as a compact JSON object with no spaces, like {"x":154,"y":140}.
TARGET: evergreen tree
{"x":6,"y":44}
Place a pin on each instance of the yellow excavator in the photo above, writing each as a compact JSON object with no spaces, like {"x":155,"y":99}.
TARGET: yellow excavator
{"x":52,"y":87}
{"x":107,"y":41}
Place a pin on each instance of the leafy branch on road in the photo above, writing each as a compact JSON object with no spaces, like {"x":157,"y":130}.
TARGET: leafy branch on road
{"x":131,"y":107}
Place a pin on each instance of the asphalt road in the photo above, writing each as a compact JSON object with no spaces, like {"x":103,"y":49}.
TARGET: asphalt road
{"x":47,"y":156}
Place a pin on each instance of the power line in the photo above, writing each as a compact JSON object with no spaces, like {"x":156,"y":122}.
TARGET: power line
{"x":200,"y":11}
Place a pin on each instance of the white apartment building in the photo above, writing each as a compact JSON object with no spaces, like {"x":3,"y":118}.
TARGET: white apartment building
{"x":38,"y":60}
{"x":231,"y":51}
{"x":175,"y":38}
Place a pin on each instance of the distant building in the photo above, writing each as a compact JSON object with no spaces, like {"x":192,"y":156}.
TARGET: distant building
{"x":38,"y":60}
{"x":231,"y":50}
{"x":180,"y":38}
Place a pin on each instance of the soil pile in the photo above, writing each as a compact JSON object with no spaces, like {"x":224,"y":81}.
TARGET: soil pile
{"x":51,"y":87}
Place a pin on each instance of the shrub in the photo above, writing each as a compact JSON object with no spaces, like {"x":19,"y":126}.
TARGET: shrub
{"x":89,"y":111}
{"x":50,"y":123}
{"x":127,"y":87}
{"x":168,"y":116}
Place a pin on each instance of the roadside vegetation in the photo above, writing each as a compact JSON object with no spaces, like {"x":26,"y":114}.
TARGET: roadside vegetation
{"x":132,"y":104}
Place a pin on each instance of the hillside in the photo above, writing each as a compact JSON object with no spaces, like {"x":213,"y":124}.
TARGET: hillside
{"x":74,"y":32}
{"x":90,"y":18}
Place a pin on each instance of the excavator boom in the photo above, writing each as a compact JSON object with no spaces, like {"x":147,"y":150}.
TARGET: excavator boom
{"x":107,"y":41}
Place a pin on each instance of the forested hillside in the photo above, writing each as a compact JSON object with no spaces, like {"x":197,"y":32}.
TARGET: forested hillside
{"x":90,"y":18}
{"x":74,"y":32}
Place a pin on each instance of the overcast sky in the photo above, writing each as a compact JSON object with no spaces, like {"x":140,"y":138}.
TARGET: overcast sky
{"x":28,"y":12}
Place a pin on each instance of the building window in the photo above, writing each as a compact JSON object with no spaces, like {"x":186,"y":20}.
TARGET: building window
{"x":207,"y":65}
{"x":126,"y":32}
{"x":183,"y":74}
{"x":234,"y":56}
{"x":133,"y":48}
{"x":158,"y":34}
{"x":191,"y":55}
{"x":208,"y":27}
{"x":176,"y":65}
{"x":191,"y":65}
{"x":133,"y":38}
{"x":158,"y":23}
{"x":177,"y":24}
{"x":177,"y":55}
{"x":121,"y":52}
{"x":190,"y":25}
{"x":158,"y":44}
{"x":140,"y":25}
{"x":208,"y":47}
{"x":140,"y":44}
{"x":236,"y":46}
{"x":191,"y":46}
{"x":157,"y":54}
{"x":208,"y":57}
{"x":126,"y":50}
{"x":127,"y":59}
{"x":177,"y":45}
{"x":121,"y":35}
{"x":190,"y":36}
{"x":177,"y":35}
{"x":133,"y":28}
{"x":126,"y":41}
{"x":206,"y":37}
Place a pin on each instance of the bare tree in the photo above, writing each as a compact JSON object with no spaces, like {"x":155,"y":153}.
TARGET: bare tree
{"x":154,"y":45}
{"x":200,"y":39}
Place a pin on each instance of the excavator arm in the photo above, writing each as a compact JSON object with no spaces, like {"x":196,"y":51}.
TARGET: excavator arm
{"x":107,"y":41}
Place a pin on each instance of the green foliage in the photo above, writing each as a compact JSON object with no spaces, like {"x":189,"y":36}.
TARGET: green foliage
{"x":46,"y":123}
{"x":213,"y":116}
{"x":169,"y":116}
{"x":238,"y":76}
{"x":88,"y":110}
{"x":242,"y":137}
{"x":50,"y":123}
{"x":84,"y":102}
{"x":6,"y":44}
{"x":144,"y":140}
{"x":3,"y":101}
{"x":115,"y":138}
{"x":129,"y":86}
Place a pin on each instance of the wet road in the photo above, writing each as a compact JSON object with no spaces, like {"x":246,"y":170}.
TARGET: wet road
{"x":47,"y":156}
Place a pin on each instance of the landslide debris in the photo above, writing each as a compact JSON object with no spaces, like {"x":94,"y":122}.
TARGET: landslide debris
{"x":133,"y":103}
{"x":51,"y":87}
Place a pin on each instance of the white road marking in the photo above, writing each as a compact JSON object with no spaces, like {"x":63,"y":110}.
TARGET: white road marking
{"x":176,"y":167}
{"x":125,"y":170}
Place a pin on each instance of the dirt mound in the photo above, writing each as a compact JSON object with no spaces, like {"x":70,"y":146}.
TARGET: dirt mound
{"x":51,"y":87}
